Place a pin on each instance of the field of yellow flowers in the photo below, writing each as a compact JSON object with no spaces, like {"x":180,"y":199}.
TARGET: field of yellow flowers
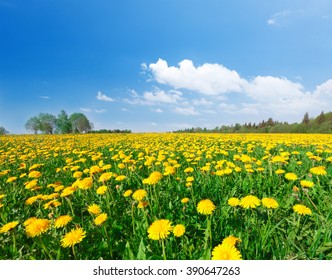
{"x":166,"y":196}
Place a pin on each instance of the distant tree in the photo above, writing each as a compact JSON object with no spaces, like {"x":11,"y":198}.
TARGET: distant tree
{"x":80,"y":123}
{"x":306,"y":119}
{"x":47,"y":123}
{"x":33,"y":124}
{"x":321,"y":118}
{"x":63,"y":124}
{"x":3,"y":131}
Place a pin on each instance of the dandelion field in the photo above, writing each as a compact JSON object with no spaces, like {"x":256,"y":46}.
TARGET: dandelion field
{"x":166,"y":196}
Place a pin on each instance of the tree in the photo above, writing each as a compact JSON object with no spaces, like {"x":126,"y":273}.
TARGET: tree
{"x":321,"y":118}
{"x":80,"y":123}
{"x":63,"y":123}
{"x":47,"y":122}
{"x":33,"y":124}
{"x":3,"y":131}
{"x":306,"y":119}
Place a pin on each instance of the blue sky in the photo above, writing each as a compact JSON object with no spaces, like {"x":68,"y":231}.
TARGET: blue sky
{"x":162,"y":65}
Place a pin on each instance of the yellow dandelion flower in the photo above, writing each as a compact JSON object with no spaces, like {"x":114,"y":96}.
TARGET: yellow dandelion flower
{"x":249,"y":201}
{"x":139,"y":194}
{"x":179,"y":230}
{"x":7,"y":227}
{"x":160,"y":229}
{"x":205,"y":207}
{"x":291,"y":176}
{"x":280,"y":171}
{"x":306,"y":183}
{"x":85,"y":184}
{"x":78,"y":174}
{"x":105,"y":177}
{"x":31,"y":184}
{"x":29,"y":221}
{"x":153,"y":178}
{"x":120,"y":178}
{"x":233,"y":201}
{"x":226,"y":251}
{"x":189,"y":170}
{"x":95,"y":169}
{"x":185,"y":200}
{"x":269,"y":203}
{"x":35,"y":166}
{"x":34,"y":174}
{"x":37,"y":227}
{"x":100,"y":219}
{"x":101,"y":190}
{"x":142,"y":204}
{"x":190,"y":179}
{"x":62,"y":221}
{"x":94,"y":209}
{"x":121,"y":165}
{"x":127,"y":193}
{"x":302,"y":209}
{"x":2,"y":196}
{"x":231,"y":240}
{"x":11,"y":179}
{"x":318,"y":170}
{"x":73,"y":237}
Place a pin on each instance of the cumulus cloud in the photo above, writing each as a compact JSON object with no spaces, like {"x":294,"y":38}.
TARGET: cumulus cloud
{"x":157,"y":110}
{"x":208,"y":79}
{"x":104,"y":97}
{"x":187,"y":111}
{"x":160,"y":96}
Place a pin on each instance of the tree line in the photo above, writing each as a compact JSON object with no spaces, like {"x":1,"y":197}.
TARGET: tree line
{"x":62,"y":124}
{"x":319,"y":124}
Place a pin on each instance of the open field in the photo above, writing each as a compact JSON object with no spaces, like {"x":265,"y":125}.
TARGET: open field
{"x":166,"y":196}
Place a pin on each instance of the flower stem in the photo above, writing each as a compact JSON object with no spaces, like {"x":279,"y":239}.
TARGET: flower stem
{"x":164,"y":252}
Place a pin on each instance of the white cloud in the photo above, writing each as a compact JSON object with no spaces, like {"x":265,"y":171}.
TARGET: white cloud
{"x":86,"y":110}
{"x":44,"y":97}
{"x":279,"y":18}
{"x":208,"y":79}
{"x":104,"y":97}
{"x":157,"y":110}
{"x":187,"y":111}
{"x":160,"y":96}
{"x":101,"y":111}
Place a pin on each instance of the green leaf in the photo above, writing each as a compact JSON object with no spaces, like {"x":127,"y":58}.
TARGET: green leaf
{"x":128,"y":255}
{"x":141,"y":251}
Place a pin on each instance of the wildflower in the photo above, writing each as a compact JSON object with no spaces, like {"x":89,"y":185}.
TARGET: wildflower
{"x":233,"y":201}
{"x":249,"y":201}
{"x":34,"y":174}
{"x":67,"y":191}
{"x":179,"y":230}
{"x":7,"y":227}
{"x":31,"y":184}
{"x":306,"y":184}
{"x":279,"y":171}
{"x":127,"y":193}
{"x":269,"y":203}
{"x":95,"y":169}
{"x":101,"y":190}
{"x":62,"y":221}
{"x":32,"y":199}
{"x":319,"y":170}
{"x":85,"y":184}
{"x":185,"y":200}
{"x":105,"y":177}
{"x":36,"y":227}
{"x":94,"y":209}
{"x":100,"y":219}
{"x":11,"y":179}
{"x":120,"y":178}
{"x":160,"y":229}
{"x":153,"y":179}
{"x":231,"y":240}
{"x":73,"y":237}
{"x":139,"y":194}
{"x":121,"y":165}
{"x":142,"y":204}
{"x":189,"y":170}
{"x":226,"y":251}
{"x":205,"y":207}
{"x":78,"y":174}
{"x":291,"y":176}
{"x":302,"y":209}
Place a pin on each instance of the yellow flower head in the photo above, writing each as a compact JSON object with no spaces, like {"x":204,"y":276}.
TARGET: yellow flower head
{"x":205,"y":207}
{"x":62,"y":221}
{"x":159,"y":229}
{"x":231,"y":240}
{"x":127,"y":193}
{"x":142,"y":204}
{"x":291,"y":176}
{"x":7,"y":227}
{"x":94,"y":209}
{"x":101,"y":190}
{"x":233,"y":201}
{"x":249,"y":201}
{"x":153,"y":178}
{"x":139,"y":194}
{"x":73,"y":237}
{"x":100,"y":219}
{"x":306,"y":183}
{"x":120,"y":178}
{"x":34,"y":174}
{"x":226,"y":251}
{"x":318,"y":170}
{"x":37,"y":227}
{"x":270,"y":203}
{"x":179,"y":230}
{"x":302,"y":209}
{"x":105,"y":177}
{"x":185,"y":200}
{"x":86,"y":183}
